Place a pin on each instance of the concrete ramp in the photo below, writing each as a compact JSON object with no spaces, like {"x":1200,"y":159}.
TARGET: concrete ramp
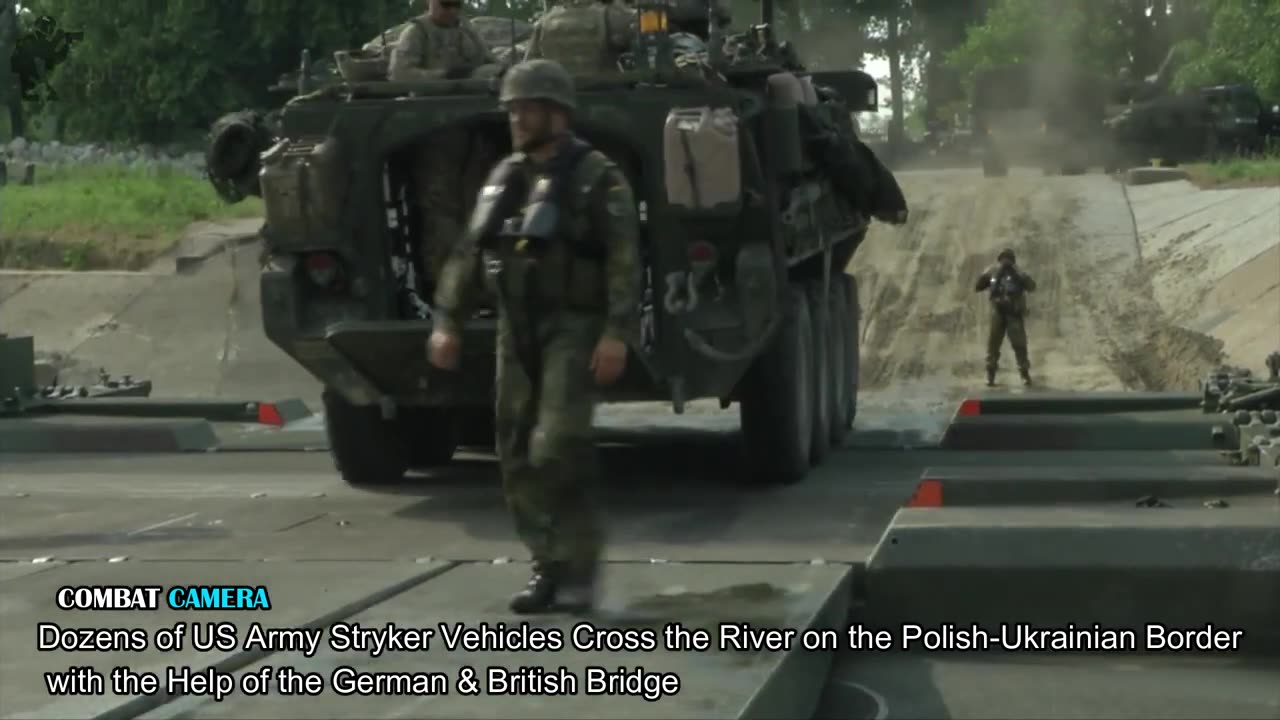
{"x":197,"y":333}
{"x":1153,"y":572}
{"x":724,"y":602}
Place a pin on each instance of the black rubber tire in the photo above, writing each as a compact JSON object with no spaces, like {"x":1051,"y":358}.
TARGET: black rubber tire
{"x":432,"y":435}
{"x":478,"y":430}
{"x":820,"y":356}
{"x":993,"y":165}
{"x":366,"y":449}
{"x":776,"y":397}
{"x":852,"y":342}
{"x":837,"y":346}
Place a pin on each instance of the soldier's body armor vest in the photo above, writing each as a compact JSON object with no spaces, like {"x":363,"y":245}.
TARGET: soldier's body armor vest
{"x":1007,"y":293}
{"x":446,"y":47}
{"x":560,"y":266}
{"x":576,"y":35}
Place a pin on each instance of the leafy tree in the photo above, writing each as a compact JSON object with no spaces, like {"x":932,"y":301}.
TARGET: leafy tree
{"x":157,"y":70}
{"x":1070,"y":32}
{"x":1242,"y":45}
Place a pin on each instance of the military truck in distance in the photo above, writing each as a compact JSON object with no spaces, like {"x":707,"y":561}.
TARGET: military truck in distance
{"x":744,"y":245}
{"x":1040,"y":115}
{"x":1150,"y":120}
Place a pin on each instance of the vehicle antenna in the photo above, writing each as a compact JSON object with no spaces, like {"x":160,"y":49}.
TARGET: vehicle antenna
{"x":382,"y":23}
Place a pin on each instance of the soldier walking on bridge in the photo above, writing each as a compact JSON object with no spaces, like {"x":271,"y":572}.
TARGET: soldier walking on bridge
{"x":1007,"y":286}
{"x":556,"y":230}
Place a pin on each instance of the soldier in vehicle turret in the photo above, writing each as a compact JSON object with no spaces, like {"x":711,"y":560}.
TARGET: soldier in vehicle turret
{"x":557,"y":232}
{"x":1007,"y":286}
{"x":586,"y":37}
{"x":441,"y":45}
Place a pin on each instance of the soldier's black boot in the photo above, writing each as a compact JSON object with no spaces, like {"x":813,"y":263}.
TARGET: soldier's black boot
{"x":991,"y":376}
{"x":539,"y":594}
{"x":1026,"y":375}
{"x":552,"y":588}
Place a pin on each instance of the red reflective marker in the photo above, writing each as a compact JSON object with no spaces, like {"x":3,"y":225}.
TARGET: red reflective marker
{"x":268,"y":414}
{"x":928,"y":494}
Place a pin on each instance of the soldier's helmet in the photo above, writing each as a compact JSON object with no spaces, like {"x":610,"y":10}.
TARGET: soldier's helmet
{"x":1007,"y":253}
{"x":539,"y":79}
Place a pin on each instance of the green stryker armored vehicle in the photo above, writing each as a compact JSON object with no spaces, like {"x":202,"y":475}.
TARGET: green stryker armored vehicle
{"x":753,"y":194}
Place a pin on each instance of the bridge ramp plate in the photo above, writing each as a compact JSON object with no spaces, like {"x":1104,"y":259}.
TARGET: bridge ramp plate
{"x":104,"y":434}
{"x":1173,"y":431}
{"x":962,"y":485}
{"x":300,"y":593}
{"x":1049,"y":567}
{"x":713,"y":684}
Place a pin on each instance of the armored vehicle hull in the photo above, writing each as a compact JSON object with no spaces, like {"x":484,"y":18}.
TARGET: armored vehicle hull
{"x":744,"y":245}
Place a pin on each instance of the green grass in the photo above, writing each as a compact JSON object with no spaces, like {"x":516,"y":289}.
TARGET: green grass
{"x":1261,"y":172}
{"x":93,"y":217}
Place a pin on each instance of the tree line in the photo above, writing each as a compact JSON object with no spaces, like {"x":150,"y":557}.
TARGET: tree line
{"x":162,"y":70}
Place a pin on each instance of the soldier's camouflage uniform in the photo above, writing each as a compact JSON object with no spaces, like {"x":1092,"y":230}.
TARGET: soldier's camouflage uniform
{"x":561,"y":301}
{"x":1008,"y":315}
{"x":427,"y":51}
{"x":585,"y":36}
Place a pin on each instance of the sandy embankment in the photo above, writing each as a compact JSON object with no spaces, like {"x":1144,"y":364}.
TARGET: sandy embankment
{"x":1141,"y":298}
{"x":1214,"y":257}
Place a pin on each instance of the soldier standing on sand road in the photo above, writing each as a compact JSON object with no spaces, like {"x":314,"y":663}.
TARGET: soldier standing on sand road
{"x":1008,"y":287}
{"x":441,"y":45}
{"x":557,"y":234}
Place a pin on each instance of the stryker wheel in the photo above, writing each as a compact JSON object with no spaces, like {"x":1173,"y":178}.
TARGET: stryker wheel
{"x":820,"y":358}
{"x":431,"y":434}
{"x":993,"y":165}
{"x":366,"y":449}
{"x":775,"y":402}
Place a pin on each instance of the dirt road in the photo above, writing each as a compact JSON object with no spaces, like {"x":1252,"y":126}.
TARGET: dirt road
{"x":1093,"y":324}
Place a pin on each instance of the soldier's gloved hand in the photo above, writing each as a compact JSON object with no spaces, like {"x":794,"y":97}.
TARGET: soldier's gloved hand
{"x":457,"y":72}
{"x":609,"y":360}
{"x":444,"y":349}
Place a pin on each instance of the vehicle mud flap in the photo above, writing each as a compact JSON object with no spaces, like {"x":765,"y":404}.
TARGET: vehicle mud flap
{"x":775,"y":402}
{"x":757,"y":277}
{"x":852,"y":346}
{"x":820,"y":321}
{"x":366,"y":449}
{"x":837,"y":352}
